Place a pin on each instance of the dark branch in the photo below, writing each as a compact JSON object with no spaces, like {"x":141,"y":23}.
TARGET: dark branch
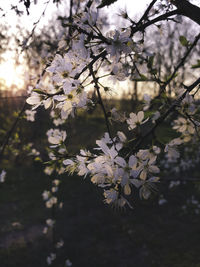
{"x":164,"y":116}
{"x":145,"y":15}
{"x":181,"y":63}
{"x":101,"y":102}
{"x":187,"y":9}
{"x":142,"y":27}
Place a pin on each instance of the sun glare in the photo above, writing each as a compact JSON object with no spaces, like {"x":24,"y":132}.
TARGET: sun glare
{"x":11,"y":75}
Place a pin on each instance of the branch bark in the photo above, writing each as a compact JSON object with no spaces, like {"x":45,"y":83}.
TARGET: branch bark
{"x":187,"y":9}
{"x":164,"y":116}
{"x":162,"y":17}
{"x":145,"y":15}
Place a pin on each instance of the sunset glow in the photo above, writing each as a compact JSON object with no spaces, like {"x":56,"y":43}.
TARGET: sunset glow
{"x":11,"y":74}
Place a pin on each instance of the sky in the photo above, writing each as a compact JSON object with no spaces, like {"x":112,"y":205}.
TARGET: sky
{"x":8,"y":71}
{"x":12,"y":74}
{"x":36,"y":10}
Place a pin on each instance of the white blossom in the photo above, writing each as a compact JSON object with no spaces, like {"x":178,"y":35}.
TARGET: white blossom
{"x":2,"y":176}
{"x":171,"y":149}
{"x":119,"y":42}
{"x":50,"y":222}
{"x":30,"y":115}
{"x":135,"y":120}
{"x":34,"y":99}
{"x":51,"y":258}
{"x":147,"y":100}
{"x":60,"y":244}
{"x":46,"y":194}
{"x":56,"y":137}
{"x":68,"y":263}
{"x":183,"y":125}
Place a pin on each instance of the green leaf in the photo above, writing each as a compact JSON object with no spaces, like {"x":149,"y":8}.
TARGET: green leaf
{"x":196,"y":65}
{"x":39,"y":91}
{"x":164,"y":96}
{"x":169,"y":76}
{"x":154,"y":71}
{"x":183,"y":41}
{"x":150,"y":62}
{"x":149,"y":113}
{"x":143,"y":77}
{"x":106,"y":3}
{"x":164,"y":134}
{"x":38,"y":159}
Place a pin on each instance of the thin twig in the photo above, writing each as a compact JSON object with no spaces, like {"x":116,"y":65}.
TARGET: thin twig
{"x":157,"y":19}
{"x":89,"y":65}
{"x":101,"y":102}
{"x":10,"y":132}
{"x":35,"y":25}
{"x":164,"y":116}
{"x":145,"y":15}
{"x":181,"y":63}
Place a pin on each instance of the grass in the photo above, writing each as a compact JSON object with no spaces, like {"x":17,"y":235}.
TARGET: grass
{"x":95,"y":234}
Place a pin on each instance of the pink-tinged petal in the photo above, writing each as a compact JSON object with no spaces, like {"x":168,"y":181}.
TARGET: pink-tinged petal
{"x":133,"y":117}
{"x":112,"y":152}
{"x":64,"y":135}
{"x":137,"y":183}
{"x":68,"y":162}
{"x":121,"y":136}
{"x":60,"y":97}
{"x":140,"y":116}
{"x":118,"y":146}
{"x":47,"y":103}
{"x":152,"y":159}
{"x":33,"y":100}
{"x":67,"y":87}
{"x":145,"y":120}
{"x":134,"y":173}
{"x":53,"y":140}
{"x":182,"y":128}
{"x":182,"y":120}
{"x":103,"y":146}
{"x":132,"y":161}
{"x":191,"y":129}
{"x":143,"y":175}
{"x":127,"y":189}
{"x":154,"y":169}
{"x":108,"y":170}
{"x":154,"y":179}
{"x":120,"y":161}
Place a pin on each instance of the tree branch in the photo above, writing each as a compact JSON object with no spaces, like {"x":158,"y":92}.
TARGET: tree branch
{"x":145,"y":15}
{"x":10,"y":132}
{"x":181,"y":63}
{"x":187,"y":9}
{"x":101,"y":102}
{"x":162,"y":17}
{"x":164,"y":116}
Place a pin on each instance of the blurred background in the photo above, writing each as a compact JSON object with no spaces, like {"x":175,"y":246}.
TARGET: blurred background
{"x":162,"y":232}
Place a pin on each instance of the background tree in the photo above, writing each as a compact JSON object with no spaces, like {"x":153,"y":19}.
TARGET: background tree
{"x":138,"y":146}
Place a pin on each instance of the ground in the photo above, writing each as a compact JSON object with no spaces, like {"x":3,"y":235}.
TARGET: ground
{"x":95,"y":235}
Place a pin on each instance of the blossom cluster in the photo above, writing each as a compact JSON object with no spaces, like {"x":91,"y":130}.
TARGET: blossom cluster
{"x":132,"y":158}
{"x":117,"y":164}
{"x":115,"y":174}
